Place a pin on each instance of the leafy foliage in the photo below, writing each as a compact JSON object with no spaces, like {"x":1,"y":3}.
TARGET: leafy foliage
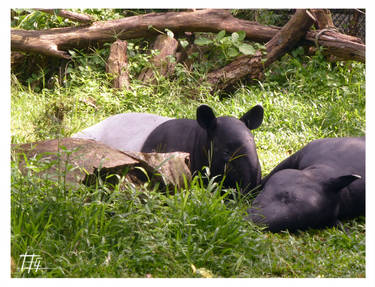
{"x":29,"y":19}
{"x":225,"y":48}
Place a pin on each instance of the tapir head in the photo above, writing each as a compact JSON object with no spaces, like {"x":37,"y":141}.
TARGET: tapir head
{"x":232,"y":151}
{"x":298,"y":199}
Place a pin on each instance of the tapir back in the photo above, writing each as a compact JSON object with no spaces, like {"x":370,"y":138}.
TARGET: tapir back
{"x":125,"y":132}
{"x":347,"y":153}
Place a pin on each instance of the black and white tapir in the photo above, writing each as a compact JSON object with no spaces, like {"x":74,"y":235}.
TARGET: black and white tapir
{"x":314,"y":188}
{"x":223,"y":143}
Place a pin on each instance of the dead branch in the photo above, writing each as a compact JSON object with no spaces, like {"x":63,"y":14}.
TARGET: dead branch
{"x":117,"y":64}
{"x":323,"y":18}
{"x":56,"y":42}
{"x":82,"y":18}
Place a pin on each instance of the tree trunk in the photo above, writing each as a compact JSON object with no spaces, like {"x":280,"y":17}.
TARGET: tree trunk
{"x":166,"y":47}
{"x":252,"y":66}
{"x":117,"y":64}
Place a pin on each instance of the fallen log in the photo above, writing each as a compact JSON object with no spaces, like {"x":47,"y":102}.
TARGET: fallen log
{"x":350,"y":47}
{"x":244,"y":66}
{"x":56,"y":42}
{"x":341,"y":46}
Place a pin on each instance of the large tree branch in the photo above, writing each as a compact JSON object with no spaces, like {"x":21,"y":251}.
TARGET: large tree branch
{"x":56,"y":42}
{"x":288,"y":36}
{"x":343,"y":47}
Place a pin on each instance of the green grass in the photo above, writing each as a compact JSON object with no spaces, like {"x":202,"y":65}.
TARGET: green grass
{"x":102,"y":232}
{"x":163,"y":235}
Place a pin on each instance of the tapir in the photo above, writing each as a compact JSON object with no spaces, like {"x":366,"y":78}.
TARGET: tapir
{"x":125,"y":132}
{"x":317,"y":186}
{"x":225,"y":144}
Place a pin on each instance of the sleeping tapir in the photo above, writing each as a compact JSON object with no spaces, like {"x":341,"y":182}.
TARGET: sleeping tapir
{"x":314,"y":188}
{"x":224,"y":143}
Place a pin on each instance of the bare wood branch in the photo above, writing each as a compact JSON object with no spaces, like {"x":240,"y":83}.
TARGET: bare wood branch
{"x":56,"y":42}
{"x":288,"y":36}
{"x":82,"y":18}
{"x":343,"y":47}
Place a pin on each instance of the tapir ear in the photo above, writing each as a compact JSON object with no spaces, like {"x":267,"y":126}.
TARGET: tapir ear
{"x":337,"y":183}
{"x":253,"y":118}
{"x":206,"y":117}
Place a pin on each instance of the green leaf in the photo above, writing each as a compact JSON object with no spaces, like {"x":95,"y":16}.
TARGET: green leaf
{"x":241,"y":35}
{"x":298,"y":52}
{"x":202,"y":41}
{"x":233,"y":52}
{"x":72,"y":53}
{"x":260,"y":46}
{"x":226,"y":40}
{"x":246,"y":49}
{"x":235,"y":36}
{"x":169,"y":33}
{"x":184,"y":43}
{"x":220,"y":35}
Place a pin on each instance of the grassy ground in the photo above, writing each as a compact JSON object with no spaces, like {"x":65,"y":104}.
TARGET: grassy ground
{"x":199,"y":231}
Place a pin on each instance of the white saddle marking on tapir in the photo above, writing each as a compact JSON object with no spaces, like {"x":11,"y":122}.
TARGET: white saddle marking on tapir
{"x":125,"y":132}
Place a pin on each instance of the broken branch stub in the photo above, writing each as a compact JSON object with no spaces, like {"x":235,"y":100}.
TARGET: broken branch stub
{"x":323,"y":18}
{"x":166,"y":48}
{"x":117,"y":65}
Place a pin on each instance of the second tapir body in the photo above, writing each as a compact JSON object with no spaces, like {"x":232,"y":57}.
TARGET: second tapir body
{"x":320,"y":184}
{"x":223,"y":143}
